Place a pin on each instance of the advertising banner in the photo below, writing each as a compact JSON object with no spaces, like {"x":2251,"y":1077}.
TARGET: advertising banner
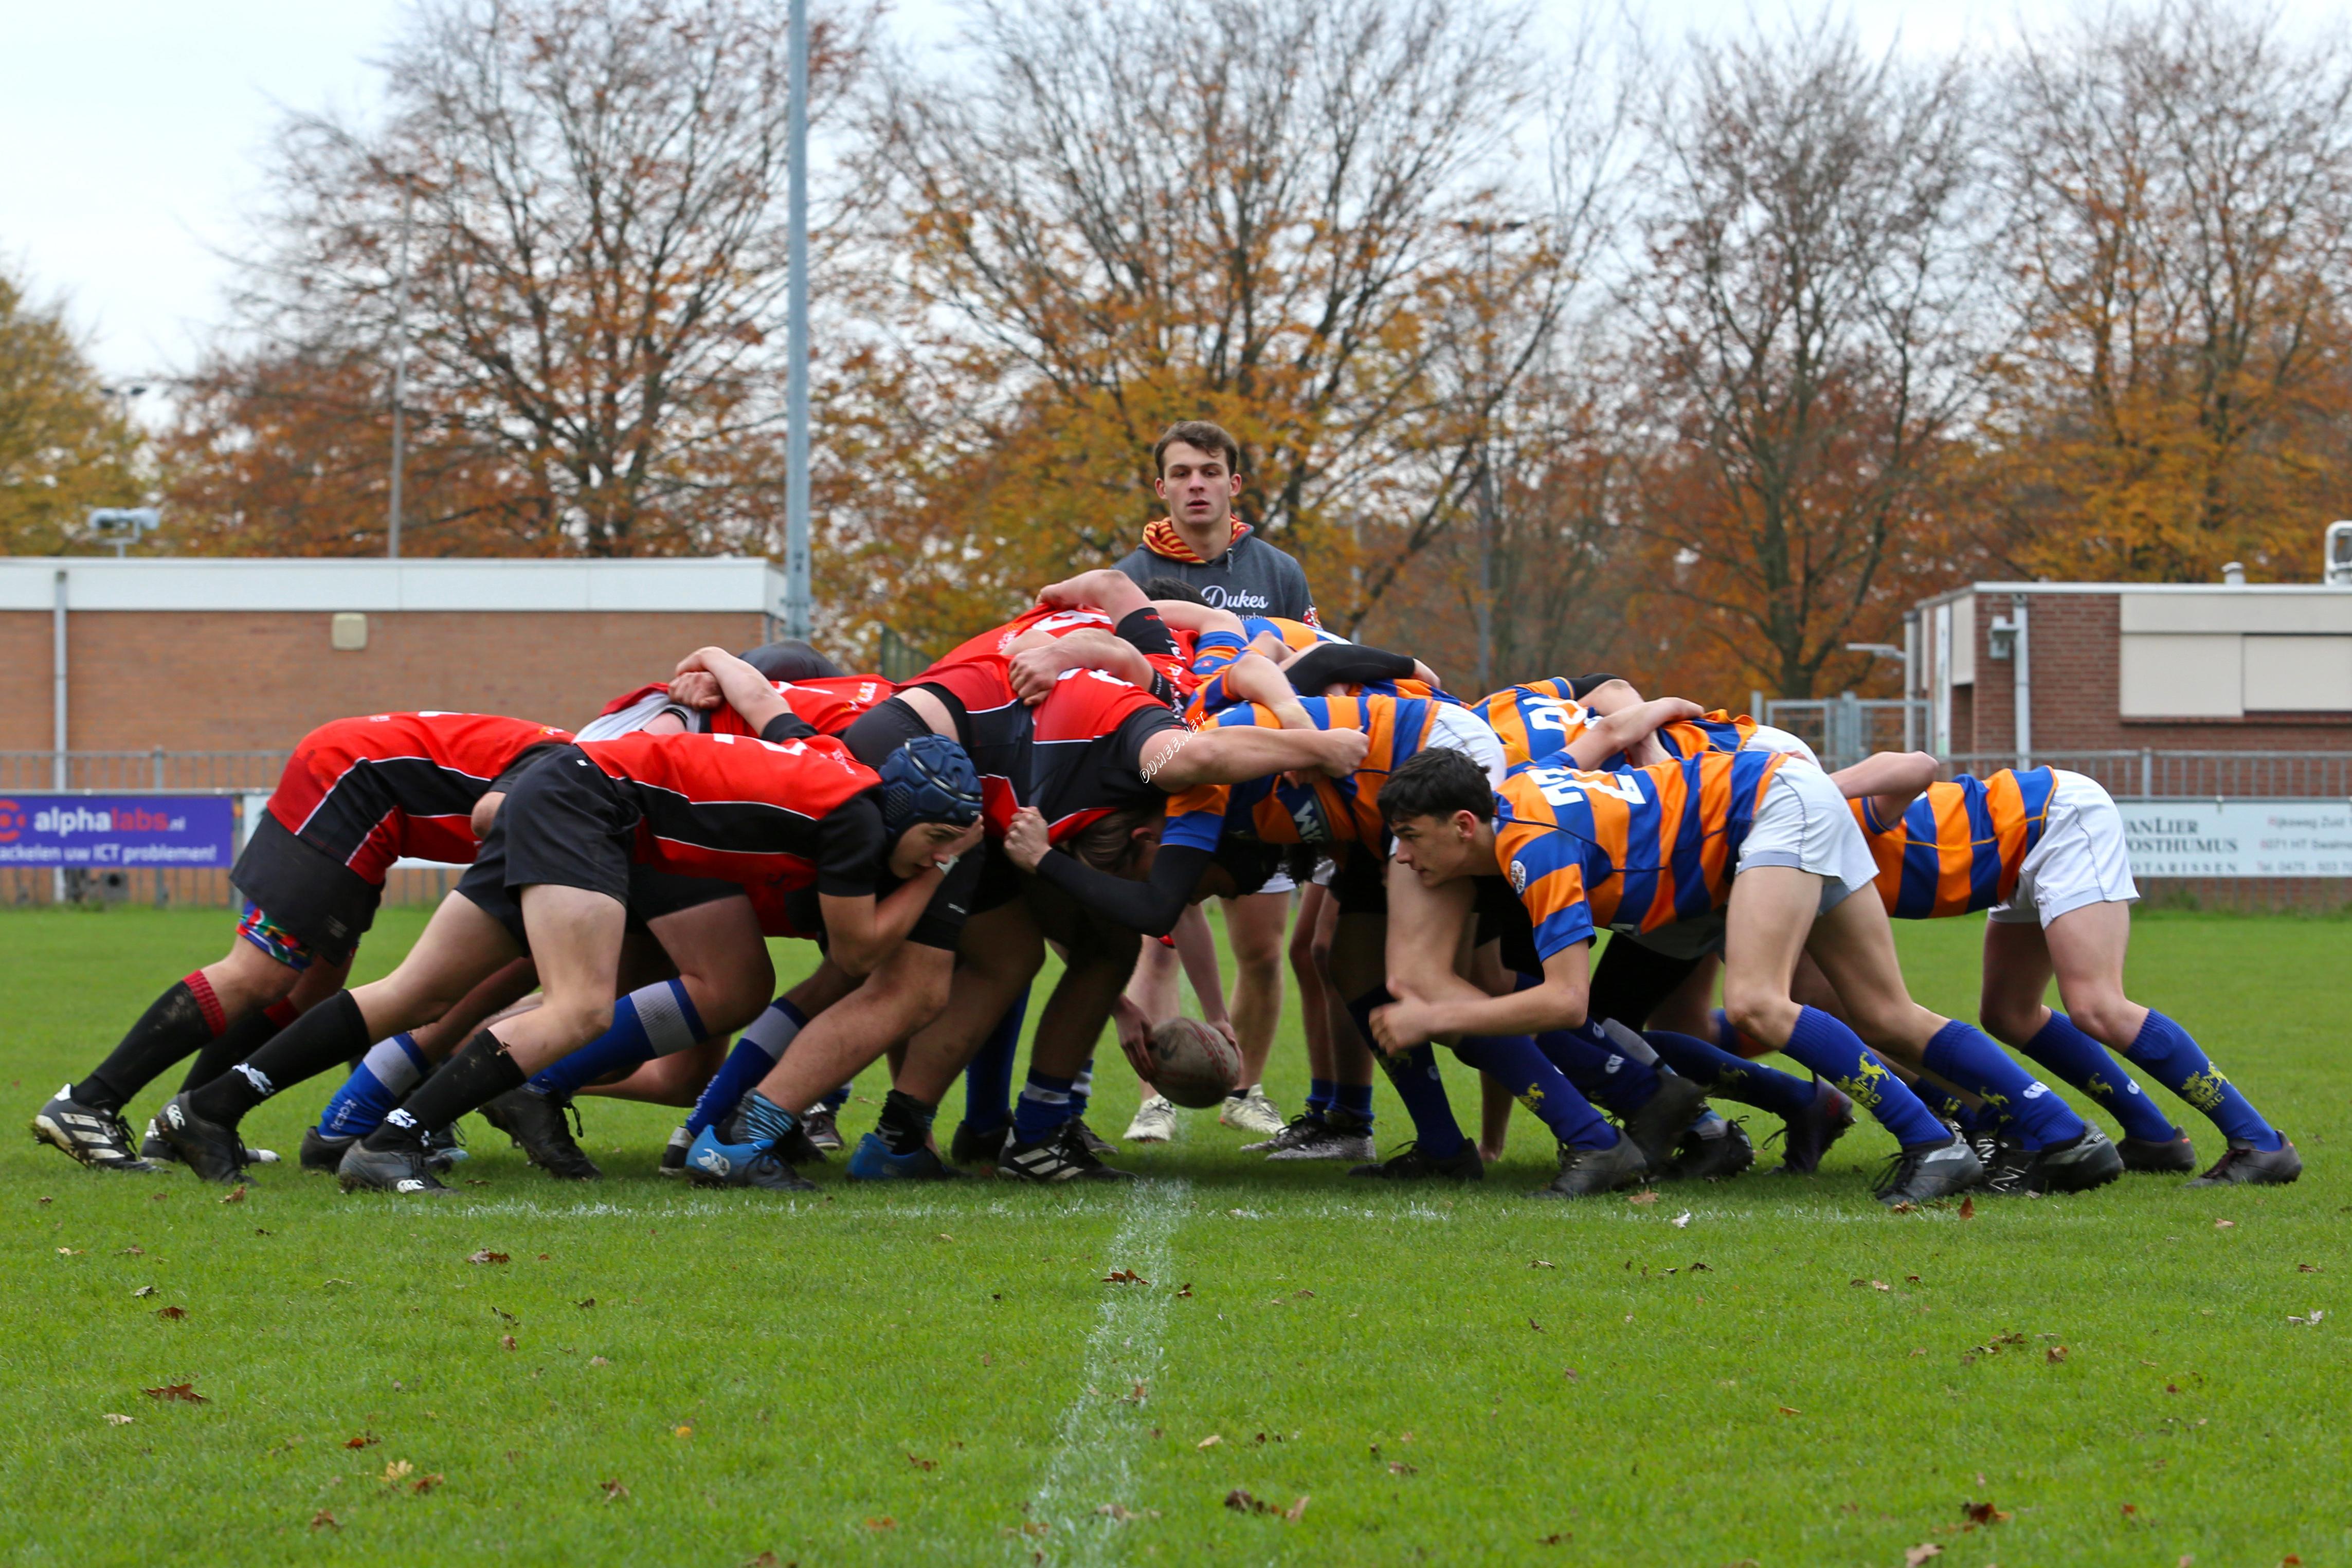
{"x":2239,"y":838}
{"x":117,"y":832}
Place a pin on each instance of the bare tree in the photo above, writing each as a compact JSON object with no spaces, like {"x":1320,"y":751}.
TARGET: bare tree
{"x":577,"y":205}
{"x":1812,"y":321}
{"x":1249,"y":211}
{"x":2181,"y":194}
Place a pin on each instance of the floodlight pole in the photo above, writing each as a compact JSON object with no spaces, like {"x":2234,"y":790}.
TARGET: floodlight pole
{"x":400,"y":373}
{"x":797,"y":608}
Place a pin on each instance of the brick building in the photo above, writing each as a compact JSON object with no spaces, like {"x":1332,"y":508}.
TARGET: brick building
{"x":247,"y":654}
{"x":2095,"y":666}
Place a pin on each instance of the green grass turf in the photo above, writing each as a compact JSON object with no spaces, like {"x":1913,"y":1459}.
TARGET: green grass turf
{"x":941,"y":1374}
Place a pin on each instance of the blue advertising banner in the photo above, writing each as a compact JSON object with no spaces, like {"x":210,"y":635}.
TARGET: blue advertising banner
{"x":112,"y":833}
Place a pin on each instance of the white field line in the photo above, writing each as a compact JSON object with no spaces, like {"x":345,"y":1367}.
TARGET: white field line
{"x":1102,"y":1427}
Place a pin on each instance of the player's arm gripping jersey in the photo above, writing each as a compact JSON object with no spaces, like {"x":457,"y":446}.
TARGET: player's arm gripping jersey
{"x":371,"y":790}
{"x":1536,"y":721}
{"x":1323,"y":811}
{"x":1958,"y":849}
{"x":1631,"y":851}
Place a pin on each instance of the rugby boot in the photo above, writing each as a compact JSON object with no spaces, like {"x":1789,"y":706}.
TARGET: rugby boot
{"x":970,"y":1147}
{"x":1060,"y":1155}
{"x":2146,"y":1157}
{"x":2242,"y":1164}
{"x":536,"y":1123}
{"x":1297,"y":1130}
{"x":1718,"y":1158}
{"x":1336,"y":1137}
{"x":207,"y":1148}
{"x":873,"y":1161}
{"x":1588,"y":1172}
{"x":153,"y":1147}
{"x":1251,"y":1111}
{"x":2076,"y":1166}
{"x":1654,"y":1127}
{"x":1095,"y":1144}
{"x":404,"y":1172}
{"x":673,"y":1160}
{"x":323,"y":1155}
{"x":1926,"y":1175}
{"x":1807,"y":1137}
{"x":823,"y":1132}
{"x":1155,"y":1121}
{"x":1409,"y":1163}
{"x":443,"y":1147}
{"x":2008,"y":1164}
{"x":99,"y":1139}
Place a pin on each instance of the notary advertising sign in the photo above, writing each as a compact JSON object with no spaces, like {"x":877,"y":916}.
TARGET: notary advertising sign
{"x":117,"y":832}
{"x":2239,"y":838}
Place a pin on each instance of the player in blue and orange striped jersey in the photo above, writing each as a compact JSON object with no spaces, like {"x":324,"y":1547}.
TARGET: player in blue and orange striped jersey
{"x":1767,"y":838}
{"x":2041,"y":850}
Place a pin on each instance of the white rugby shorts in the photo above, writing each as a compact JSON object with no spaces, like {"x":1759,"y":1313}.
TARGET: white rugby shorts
{"x":1803,"y":822}
{"x":2079,"y":860}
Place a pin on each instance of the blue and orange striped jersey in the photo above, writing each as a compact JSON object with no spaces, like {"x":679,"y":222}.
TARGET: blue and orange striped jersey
{"x":1214,"y":651}
{"x":1959,"y":847}
{"x":1632,"y":851}
{"x":1538,"y":720}
{"x":1714,"y":730}
{"x":1327,"y":811}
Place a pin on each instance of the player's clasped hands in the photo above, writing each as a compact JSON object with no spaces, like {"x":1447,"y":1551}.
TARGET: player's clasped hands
{"x":1025,"y":840}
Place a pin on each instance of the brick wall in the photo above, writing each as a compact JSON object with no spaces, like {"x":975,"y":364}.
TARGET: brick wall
{"x":2075,"y":640}
{"x":192,"y":681}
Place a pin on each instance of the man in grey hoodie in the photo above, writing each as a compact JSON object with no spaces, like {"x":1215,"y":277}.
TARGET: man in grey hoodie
{"x":1200,"y":542}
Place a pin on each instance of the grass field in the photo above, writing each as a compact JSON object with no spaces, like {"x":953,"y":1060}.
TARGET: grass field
{"x":1792,"y":1376}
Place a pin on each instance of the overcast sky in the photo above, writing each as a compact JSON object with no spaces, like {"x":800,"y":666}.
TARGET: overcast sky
{"x":133,"y":130}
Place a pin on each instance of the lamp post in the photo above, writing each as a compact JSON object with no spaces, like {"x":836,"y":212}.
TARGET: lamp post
{"x":797,"y":608}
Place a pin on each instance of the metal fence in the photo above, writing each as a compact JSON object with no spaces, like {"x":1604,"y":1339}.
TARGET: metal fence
{"x":1841,"y":731}
{"x":1850,"y":727}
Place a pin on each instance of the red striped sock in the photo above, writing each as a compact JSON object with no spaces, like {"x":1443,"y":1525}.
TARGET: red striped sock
{"x":202,"y":990}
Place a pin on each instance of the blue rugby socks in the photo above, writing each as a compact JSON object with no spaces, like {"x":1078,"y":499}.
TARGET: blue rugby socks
{"x":1354,"y":1101}
{"x":1535,"y":1082}
{"x":2165,"y":1052}
{"x":1414,"y":1074}
{"x":383,"y":1077}
{"x":1044,"y":1105}
{"x":2077,"y":1059}
{"x":650,"y":1021}
{"x":757,"y":1050}
{"x":1962,"y":1055}
{"x":1824,"y":1044}
{"x":1730,"y":1077}
{"x":988,"y":1082}
{"x":1602,"y":1073}
{"x":1321,"y":1095}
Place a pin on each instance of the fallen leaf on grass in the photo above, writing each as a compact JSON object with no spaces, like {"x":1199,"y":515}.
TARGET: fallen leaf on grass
{"x":1915,"y":1555}
{"x":614,"y":1491}
{"x":584,"y":1305}
{"x":1968,"y":1206}
{"x":506,"y":1342}
{"x":1785,"y":1410}
{"x":1557,"y":1538}
{"x":1985,"y":1513}
{"x":1701,"y":1268}
{"x":486,"y":1256}
{"x":2307,"y":1323}
{"x":1539,"y":1263}
{"x":69,"y":1251}
{"x":1570,"y":1374}
{"x":1398,"y":1468}
{"x":1906,"y":1206}
{"x":883,"y":1523}
{"x":1910,"y":1279}
{"x":235,"y":1195}
{"x":2225,"y":1225}
{"x":425,"y":1483}
{"x":1535,"y":1326}
{"x":171,"y":1314}
{"x":1682,"y":1221}
{"x":925,"y":1466}
{"x":364,"y":1440}
{"x":2172,"y":1389}
{"x":1184,"y":1292}
{"x":2307,"y":1267}
{"x":395,"y":1471}
{"x":114,"y":1420}
{"x":2054,"y":1355}
{"x":598,"y":1361}
{"x":1643,"y":1197}
{"x":1210,"y":1441}
{"x":143,"y":1292}
{"x":1120,"y":1513}
{"x":137,"y":1252}
{"x":183,"y":1392}
{"x":1296,"y":1512}
{"x":2292,"y":1560}
{"x":1124,"y":1277}
{"x":322,"y":1519}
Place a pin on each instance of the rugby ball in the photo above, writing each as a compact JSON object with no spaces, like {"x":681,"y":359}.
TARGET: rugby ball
{"x":1194,"y":1064}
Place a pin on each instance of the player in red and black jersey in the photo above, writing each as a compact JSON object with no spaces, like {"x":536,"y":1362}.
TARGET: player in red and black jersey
{"x":554,"y":880}
{"x":357,"y":795}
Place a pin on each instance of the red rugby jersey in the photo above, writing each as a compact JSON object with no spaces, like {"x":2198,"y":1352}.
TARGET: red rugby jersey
{"x":735,"y":807}
{"x":829,"y":705}
{"x":372,"y":789}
